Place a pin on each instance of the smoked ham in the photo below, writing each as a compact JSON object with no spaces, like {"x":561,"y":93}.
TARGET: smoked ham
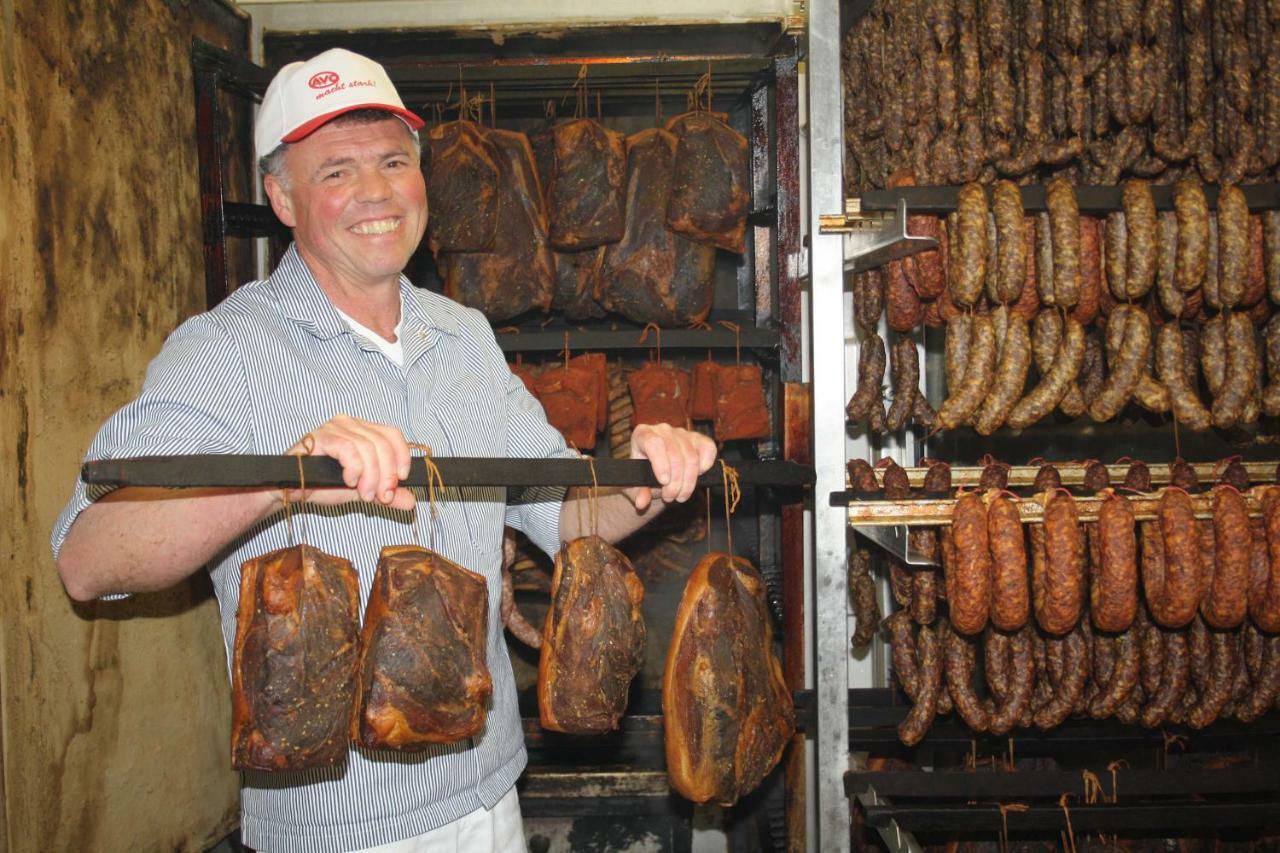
{"x":578,"y":277}
{"x":740,"y":408}
{"x":593,"y":639}
{"x":518,"y":273}
{"x":293,"y":670}
{"x":711,"y":187}
{"x":462,"y":186}
{"x":727,"y":714}
{"x":423,"y":673}
{"x":585,"y":196}
{"x":570,"y":397}
{"x":660,"y":395}
{"x":654,"y":275}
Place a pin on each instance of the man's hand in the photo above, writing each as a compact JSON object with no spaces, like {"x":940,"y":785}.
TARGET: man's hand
{"x":374,"y":459}
{"x":678,"y":456}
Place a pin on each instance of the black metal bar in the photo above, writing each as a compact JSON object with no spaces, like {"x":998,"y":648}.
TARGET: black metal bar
{"x":1025,"y":784}
{"x":753,"y":339}
{"x":236,"y":75}
{"x":209,"y":157}
{"x":251,"y":471}
{"x":1091,"y":199}
{"x":1109,"y":817}
{"x":251,"y":220}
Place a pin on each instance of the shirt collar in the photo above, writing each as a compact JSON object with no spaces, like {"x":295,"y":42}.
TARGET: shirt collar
{"x":301,"y":300}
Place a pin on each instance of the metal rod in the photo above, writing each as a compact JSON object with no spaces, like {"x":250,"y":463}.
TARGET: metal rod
{"x":249,"y":471}
{"x":1108,"y":817}
{"x":1091,"y":199}
{"x":1072,"y":473}
{"x":579,"y":340}
{"x":937,"y":511}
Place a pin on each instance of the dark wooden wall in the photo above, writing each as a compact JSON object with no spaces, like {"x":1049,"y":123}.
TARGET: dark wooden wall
{"x":114,"y":715}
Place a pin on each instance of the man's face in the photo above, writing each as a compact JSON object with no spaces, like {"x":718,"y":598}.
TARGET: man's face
{"x":356,"y":200}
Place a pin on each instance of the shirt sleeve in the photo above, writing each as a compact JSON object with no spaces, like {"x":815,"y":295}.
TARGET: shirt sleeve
{"x":194,"y":399}
{"x":537,"y":513}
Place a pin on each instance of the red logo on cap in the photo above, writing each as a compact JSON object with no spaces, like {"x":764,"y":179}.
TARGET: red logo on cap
{"x":323,"y":80}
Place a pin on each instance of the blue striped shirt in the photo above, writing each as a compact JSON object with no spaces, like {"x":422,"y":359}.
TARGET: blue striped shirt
{"x":275,"y":360}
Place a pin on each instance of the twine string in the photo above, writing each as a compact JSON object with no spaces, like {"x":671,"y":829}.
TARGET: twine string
{"x":657,"y":330}
{"x":737,"y":339}
{"x":434,"y":482}
{"x":1071,"y":835}
{"x":732,"y":494}
{"x":594,"y":506}
{"x":306,"y":445}
{"x":1115,"y":788}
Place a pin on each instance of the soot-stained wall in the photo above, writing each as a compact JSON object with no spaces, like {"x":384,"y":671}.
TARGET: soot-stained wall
{"x":115,"y":715}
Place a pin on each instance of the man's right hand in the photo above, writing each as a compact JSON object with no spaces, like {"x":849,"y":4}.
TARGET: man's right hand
{"x":374,"y":459}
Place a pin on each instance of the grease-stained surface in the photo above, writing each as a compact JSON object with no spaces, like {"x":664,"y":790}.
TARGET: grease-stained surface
{"x":115,"y":715}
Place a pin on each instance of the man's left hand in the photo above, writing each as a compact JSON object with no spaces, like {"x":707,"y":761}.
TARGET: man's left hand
{"x":677,"y":455}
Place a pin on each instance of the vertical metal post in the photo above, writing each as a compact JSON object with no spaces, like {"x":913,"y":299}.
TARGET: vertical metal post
{"x":209,"y":151}
{"x":825,"y":121}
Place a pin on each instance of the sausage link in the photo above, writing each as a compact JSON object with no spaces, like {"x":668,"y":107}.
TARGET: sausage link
{"x":916,"y":724}
{"x":1075,"y":671}
{"x":956,"y":355}
{"x":1192,"y":212}
{"x":1187,"y":408}
{"x":1152,"y":639}
{"x":1047,"y":478}
{"x":1022,"y":673}
{"x":900,"y":584}
{"x":995,"y":474}
{"x":1064,"y":225}
{"x":1222,"y":679}
{"x":1124,"y":676}
{"x":995,"y":663}
{"x":1209,"y":288}
{"x":1113,"y":591}
{"x":1122,"y":381}
{"x":1096,"y":476}
{"x":903,"y":309}
{"x":1266,"y":613}
{"x":1043,"y":260}
{"x":1266,"y":687}
{"x":862,"y":594}
{"x":1116,"y":241}
{"x":1233,"y":245}
{"x":968,"y":578}
{"x":1006,"y":389}
{"x":1059,"y":588}
{"x":862,"y":477}
{"x":963,"y":401}
{"x":1045,"y":343}
{"x":969,"y":271}
{"x":937,"y":480}
{"x":1173,"y":583}
{"x":1213,"y":352}
{"x":1089,"y":303}
{"x":1227,"y":600}
{"x":868,"y":299}
{"x":1011,"y":258}
{"x":1173,"y":681}
{"x":1092,"y":374}
{"x":1240,"y":375}
{"x":960,"y":659}
{"x":924,"y":595}
{"x":1138,"y":477}
{"x":1271,"y":393}
{"x":905,"y":369}
{"x":1009,"y":598}
{"x":1255,"y":282}
{"x":1140,"y":225}
{"x":1053,"y":385}
{"x":871,"y":364}
{"x":1102,"y":649}
{"x":902,"y":646}
{"x":1172,"y":300}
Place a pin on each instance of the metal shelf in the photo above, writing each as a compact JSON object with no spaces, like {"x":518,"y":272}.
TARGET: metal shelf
{"x":1072,"y":474}
{"x":254,"y":471}
{"x":592,"y":340}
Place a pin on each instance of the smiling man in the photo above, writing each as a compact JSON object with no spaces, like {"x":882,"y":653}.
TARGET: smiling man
{"x":338,"y":345}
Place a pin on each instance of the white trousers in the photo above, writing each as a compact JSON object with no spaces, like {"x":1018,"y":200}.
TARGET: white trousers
{"x":496,"y":830}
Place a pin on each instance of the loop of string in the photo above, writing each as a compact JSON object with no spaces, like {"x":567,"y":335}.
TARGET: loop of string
{"x":1071,"y":836}
{"x":644,"y":336}
{"x":578,"y":90}
{"x":308,"y":444}
{"x":732,"y":494}
{"x":737,"y":339}
{"x":594,"y":506}
{"x":1113,"y":767}
{"x":434,"y":482}
{"x":1005,"y":808}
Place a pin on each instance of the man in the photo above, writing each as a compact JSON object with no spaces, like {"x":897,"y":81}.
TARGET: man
{"x":337,"y":345}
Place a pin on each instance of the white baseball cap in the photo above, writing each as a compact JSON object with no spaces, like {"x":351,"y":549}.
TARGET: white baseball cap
{"x":305,"y":95}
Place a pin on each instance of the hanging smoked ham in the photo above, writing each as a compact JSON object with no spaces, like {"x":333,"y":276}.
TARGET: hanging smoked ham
{"x":654,"y":275}
{"x":527,"y":375}
{"x":711,"y":187}
{"x":586,"y":194}
{"x":518,"y":273}
{"x":423,"y":674}
{"x":293,"y":670}
{"x":740,"y":408}
{"x":727,"y":713}
{"x":570,"y":396}
{"x":593,"y":639}
{"x":660,"y":395}
{"x":462,"y":187}
{"x":596,"y":363}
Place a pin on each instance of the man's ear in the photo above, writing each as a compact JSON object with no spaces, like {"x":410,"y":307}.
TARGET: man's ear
{"x":280,"y":201}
